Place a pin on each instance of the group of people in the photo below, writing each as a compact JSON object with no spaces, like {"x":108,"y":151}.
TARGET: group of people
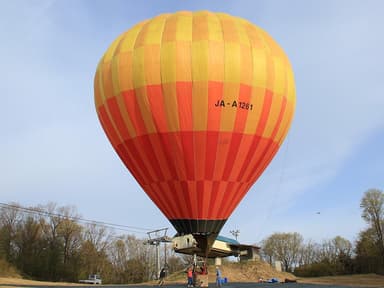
{"x":191,"y":276}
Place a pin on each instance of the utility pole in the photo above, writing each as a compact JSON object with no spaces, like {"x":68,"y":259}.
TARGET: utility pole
{"x":235,"y":233}
{"x":156,"y":237}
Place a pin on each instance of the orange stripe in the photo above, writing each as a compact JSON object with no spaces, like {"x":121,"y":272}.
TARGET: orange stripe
{"x":215,"y":93}
{"x":241,"y":158}
{"x":180,"y":200}
{"x":239,"y":191}
{"x":184,"y":98}
{"x":232,"y":155}
{"x":210,"y":159}
{"x":161,"y":156}
{"x":156,"y":103}
{"x":156,"y":194}
{"x":174,"y":148}
{"x":140,"y":158}
{"x":206,"y":199}
{"x":108,"y":126}
{"x":217,"y":199}
{"x":134,"y":112}
{"x":199,"y":27}
{"x":200,"y":143}
{"x":265,"y":113}
{"x":188,"y":154}
{"x":269,"y":153}
{"x":257,"y":160}
{"x":280,"y":117}
{"x":221,"y":151}
{"x":107,"y":79}
{"x":117,"y":118}
{"x":242,"y":112}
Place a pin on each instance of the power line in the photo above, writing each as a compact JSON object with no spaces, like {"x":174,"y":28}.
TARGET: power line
{"x":76,"y":219}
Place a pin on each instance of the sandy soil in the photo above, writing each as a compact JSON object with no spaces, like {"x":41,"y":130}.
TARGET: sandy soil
{"x":360,"y":280}
{"x":20,"y":281}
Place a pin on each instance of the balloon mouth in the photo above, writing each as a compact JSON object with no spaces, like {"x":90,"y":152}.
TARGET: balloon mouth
{"x":197,"y":226}
{"x":204,"y":231}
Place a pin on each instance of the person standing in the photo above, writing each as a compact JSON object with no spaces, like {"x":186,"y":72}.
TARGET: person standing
{"x":161,"y":277}
{"x":190,"y":277}
{"x":218,"y":277}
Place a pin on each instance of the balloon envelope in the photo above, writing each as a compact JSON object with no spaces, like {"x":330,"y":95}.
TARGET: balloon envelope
{"x":196,"y":104}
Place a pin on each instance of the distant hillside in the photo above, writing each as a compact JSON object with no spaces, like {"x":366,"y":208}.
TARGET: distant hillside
{"x":6,"y":270}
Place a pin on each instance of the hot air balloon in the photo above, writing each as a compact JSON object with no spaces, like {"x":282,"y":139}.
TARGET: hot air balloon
{"x":196,"y":105}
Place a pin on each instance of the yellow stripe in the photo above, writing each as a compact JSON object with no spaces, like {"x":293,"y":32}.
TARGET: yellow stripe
{"x":128,"y":42}
{"x":115,"y":75}
{"x":232,"y":62}
{"x":96,"y":88}
{"x":152,"y":64}
{"x":243,"y":37}
{"x":154,"y":29}
{"x":184,"y":27}
{"x":215,"y":31}
{"x":125,"y":71}
{"x":291,"y":90}
{"x":138,"y":68}
{"x":168,"y":62}
{"x":280,"y":79}
{"x":183,"y":61}
{"x":216,"y":61}
{"x":111,"y":50}
{"x":246,"y":69}
{"x":200,"y":61}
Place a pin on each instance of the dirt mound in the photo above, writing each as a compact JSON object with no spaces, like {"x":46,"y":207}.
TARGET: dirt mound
{"x":250,"y":271}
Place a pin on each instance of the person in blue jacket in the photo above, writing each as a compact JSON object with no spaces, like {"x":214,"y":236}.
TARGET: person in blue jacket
{"x":218,"y":277}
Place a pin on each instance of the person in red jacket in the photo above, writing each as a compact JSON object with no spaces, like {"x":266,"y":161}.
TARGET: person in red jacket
{"x":190,"y":277}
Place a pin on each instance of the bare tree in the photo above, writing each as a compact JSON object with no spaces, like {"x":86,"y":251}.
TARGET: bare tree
{"x":372,"y":205}
{"x":10,"y":216}
{"x":285,"y":247}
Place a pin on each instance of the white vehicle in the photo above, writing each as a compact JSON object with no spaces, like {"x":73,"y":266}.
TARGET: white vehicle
{"x":92,"y":279}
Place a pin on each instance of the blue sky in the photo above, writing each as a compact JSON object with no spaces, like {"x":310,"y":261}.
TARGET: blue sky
{"x":53,"y":149}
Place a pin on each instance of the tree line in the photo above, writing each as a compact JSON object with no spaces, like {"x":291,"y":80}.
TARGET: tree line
{"x":338,"y":255}
{"x":47,"y":243}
